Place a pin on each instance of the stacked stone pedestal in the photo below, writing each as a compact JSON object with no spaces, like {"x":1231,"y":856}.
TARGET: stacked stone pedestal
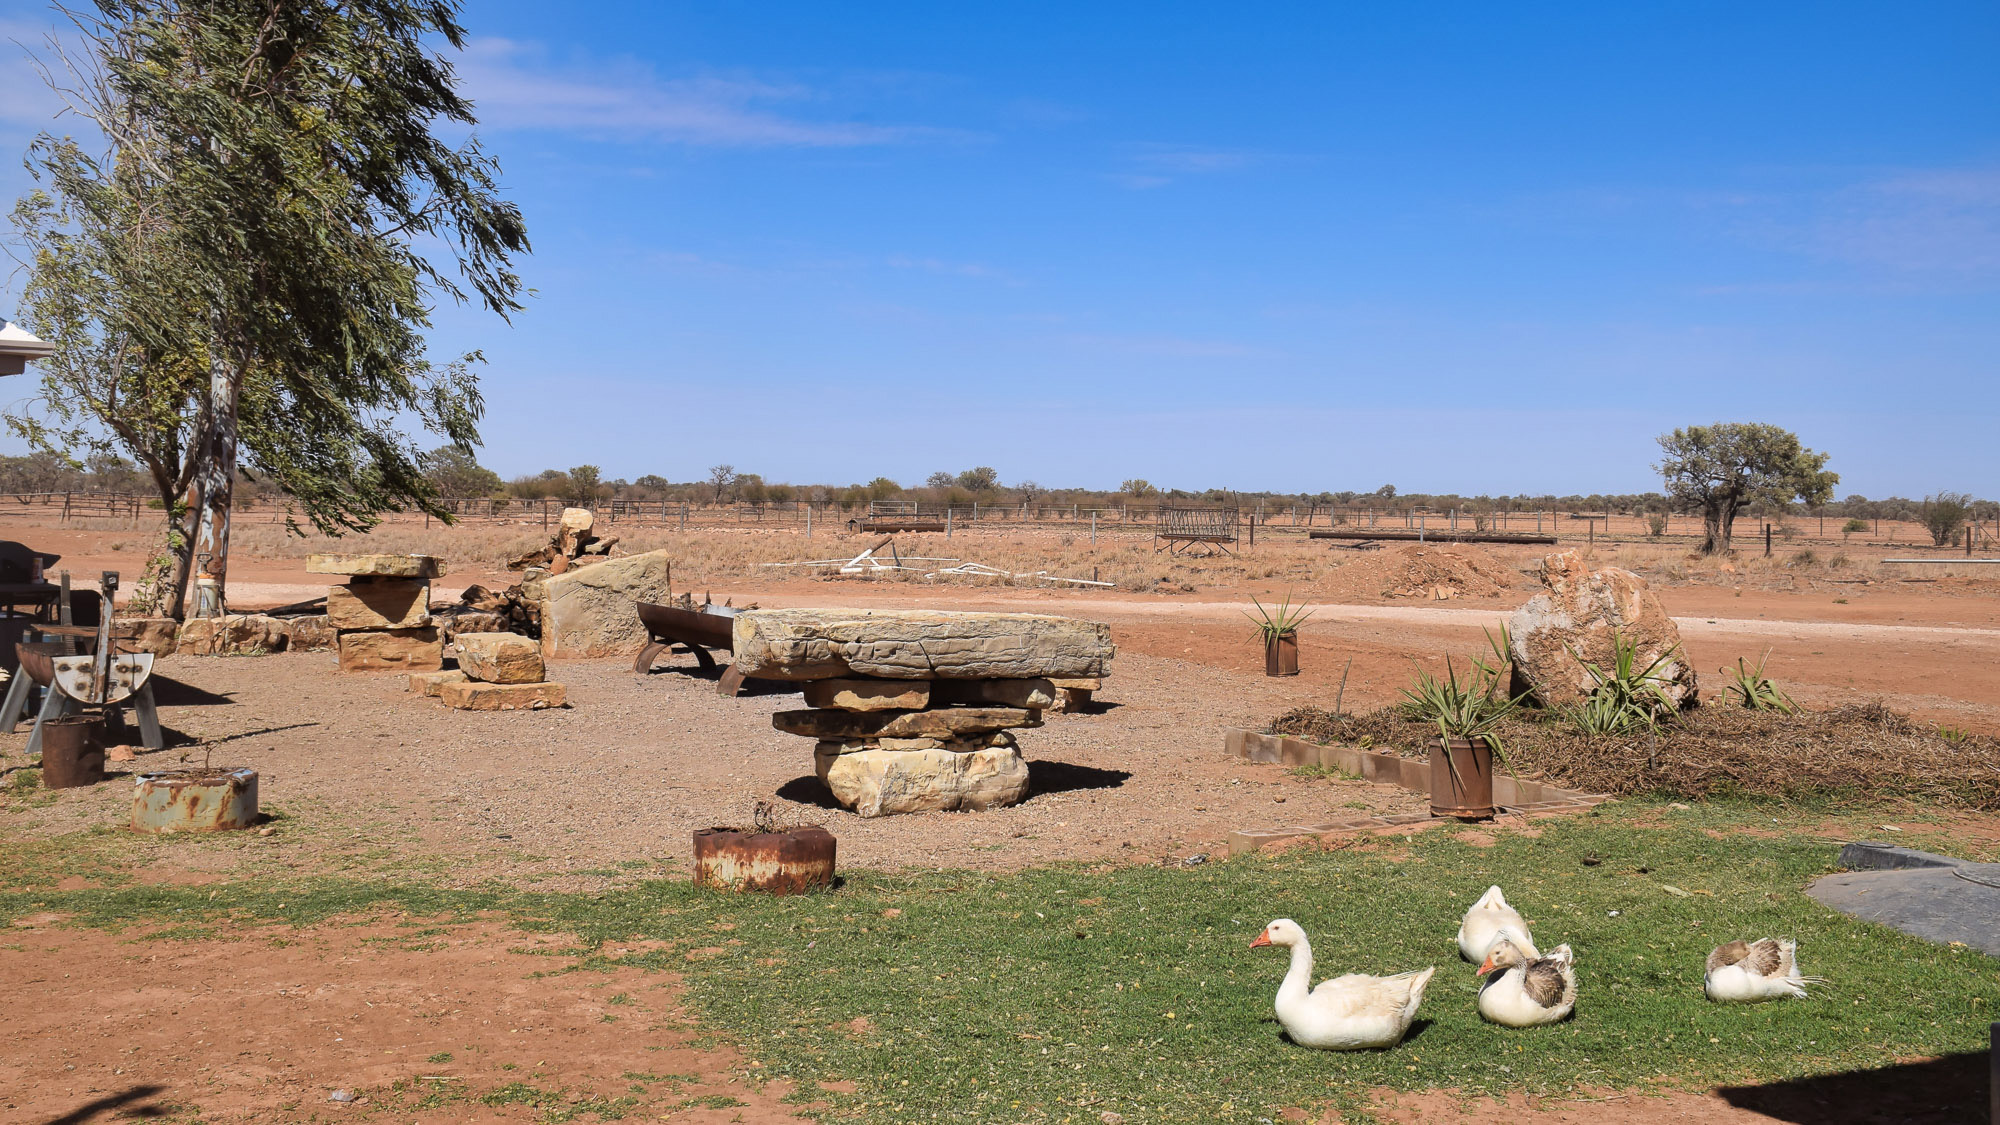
{"x":916,"y":711}
{"x":381,"y":616}
{"x":498,"y":672}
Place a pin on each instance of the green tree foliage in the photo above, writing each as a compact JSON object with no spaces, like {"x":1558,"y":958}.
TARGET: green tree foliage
{"x":1719,"y":469}
{"x":454,"y":472}
{"x":284,"y":207}
{"x":979,"y":480}
{"x":1944,"y":514}
{"x":1138,"y":488}
{"x":881,"y":488}
{"x":586,"y":483}
{"x":940,"y":480}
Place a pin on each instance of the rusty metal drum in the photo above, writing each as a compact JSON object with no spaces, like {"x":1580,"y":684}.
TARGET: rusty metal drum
{"x":72,"y":752}
{"x":196,"y":800}
{"x":781,"y":863}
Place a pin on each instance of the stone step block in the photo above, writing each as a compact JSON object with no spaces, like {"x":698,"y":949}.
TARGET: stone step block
{"x":377,"y":566}
{"x":851,"y":725}
{"x":392,"y":650}
{"x":474,"y":696}
{"x":395,"y":603}
{"x":499,"y":658}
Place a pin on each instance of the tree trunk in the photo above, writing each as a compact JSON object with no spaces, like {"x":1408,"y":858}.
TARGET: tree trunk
{"x":214,"y":481}
{"x":1717,"y":521}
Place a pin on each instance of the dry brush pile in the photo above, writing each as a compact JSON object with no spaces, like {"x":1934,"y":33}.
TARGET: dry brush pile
{"x":1846,"y":752}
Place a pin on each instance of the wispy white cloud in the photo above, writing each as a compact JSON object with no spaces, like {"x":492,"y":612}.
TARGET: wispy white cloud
{"x":943,"y":268}
{"x":1149,"y":166}
{"x":1941,"y":221}
{"x":515,"y":86}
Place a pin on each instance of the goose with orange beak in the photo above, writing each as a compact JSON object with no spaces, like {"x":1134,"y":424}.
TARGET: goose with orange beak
{"x":1526,"y":990}
{"x":1348,"y":1013}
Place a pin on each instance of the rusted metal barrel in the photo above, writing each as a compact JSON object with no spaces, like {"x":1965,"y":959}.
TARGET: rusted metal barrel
{"x":1462,"y":779}
{"x":779,"y":863}
{"x":72,"y":752}
{"x":199,"y":800}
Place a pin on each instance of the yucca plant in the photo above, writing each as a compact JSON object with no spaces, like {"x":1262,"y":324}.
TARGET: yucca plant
{"x":1627,"y":697}
{"x":1276,"y":621}
{"x":1468,"y":710}
{"x":1751,"y":688}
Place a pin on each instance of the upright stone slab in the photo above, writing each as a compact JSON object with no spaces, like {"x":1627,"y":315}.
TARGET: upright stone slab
{"x":593,"y":610}
{"x":377,"y":566}
{"x":499,"y":658}
{"x":392,"y":650}
{"x":379,"y":603}
{"x":817,"y":644}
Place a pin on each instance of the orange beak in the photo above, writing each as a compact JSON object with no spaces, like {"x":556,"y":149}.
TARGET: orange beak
{"x":1486,"y":966}
{"x":1262,"y":939}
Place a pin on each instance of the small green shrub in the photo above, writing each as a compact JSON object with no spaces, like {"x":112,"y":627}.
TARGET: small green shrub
{"x":1627,"y":697}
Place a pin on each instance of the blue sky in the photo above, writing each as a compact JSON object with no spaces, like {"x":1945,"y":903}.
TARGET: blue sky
{"x":1473,"y":248}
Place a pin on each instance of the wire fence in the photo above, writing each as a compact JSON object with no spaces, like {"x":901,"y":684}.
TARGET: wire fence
{"x":134,"y":510}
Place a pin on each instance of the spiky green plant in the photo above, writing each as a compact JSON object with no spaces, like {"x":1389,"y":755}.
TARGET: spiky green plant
{"x":1276,"y":621}
{"x":1751,"y":688}
{"x":1627,"y":697}
{"x":1468,"y":710}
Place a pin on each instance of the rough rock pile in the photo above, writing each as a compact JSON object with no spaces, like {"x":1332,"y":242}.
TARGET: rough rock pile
{"x":916,"y":711}
{"x":573,"y":540}
{"x":1579,"y":616}
{"x":1434,"y":573}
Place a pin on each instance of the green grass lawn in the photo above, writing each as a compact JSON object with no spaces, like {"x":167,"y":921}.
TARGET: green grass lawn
{"x":1058,"y":994}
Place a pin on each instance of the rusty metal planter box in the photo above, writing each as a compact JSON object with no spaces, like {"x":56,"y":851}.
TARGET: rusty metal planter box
{"x":211,"y":800}
{"x":773,"y":862}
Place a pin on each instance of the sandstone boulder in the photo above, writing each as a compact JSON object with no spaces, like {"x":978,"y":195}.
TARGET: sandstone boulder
{"x":428,"y":683}
{"x":377,"y":566}
{"x":1035,"y":695}
{"x":499,"y":658}
{"x":157,"y":635}
{"x":312,"y":633}
{"x":235,"y":634}
{"x":392,"y":650}
{"x":884,"y":782}
{"x":1578,"y":616}
{"x":592,"y":611}
{"x":816,"y":644}
{"x":472,"y":696}
{"x":903,"y":724}
{"x":388,"y":603}
{"x":869,"y":695}
{"x":573,"y":531}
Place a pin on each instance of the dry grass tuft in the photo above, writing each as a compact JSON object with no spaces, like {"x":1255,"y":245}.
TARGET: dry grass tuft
{"x":1847,"y":752}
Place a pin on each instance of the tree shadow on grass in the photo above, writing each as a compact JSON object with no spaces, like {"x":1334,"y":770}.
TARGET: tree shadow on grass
{"x":1948,"y":1089}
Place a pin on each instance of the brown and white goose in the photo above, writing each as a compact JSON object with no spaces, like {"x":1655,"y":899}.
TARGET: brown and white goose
{"x":1527,"y":990}
{"x":1741,"y":972}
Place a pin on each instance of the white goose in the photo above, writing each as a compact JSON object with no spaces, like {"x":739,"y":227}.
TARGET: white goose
{"x":1529,"y":990}
{"x":1748,"y":972}
{"x":1349,"y":1013}
{"x":1483,"y":923}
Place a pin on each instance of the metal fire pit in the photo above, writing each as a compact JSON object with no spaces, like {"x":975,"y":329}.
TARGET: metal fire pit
{"x":197,"y":800}
{"x":779,"y":863}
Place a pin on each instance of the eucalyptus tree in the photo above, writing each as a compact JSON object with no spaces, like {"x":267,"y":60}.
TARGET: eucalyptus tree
{"x":310,"y":214}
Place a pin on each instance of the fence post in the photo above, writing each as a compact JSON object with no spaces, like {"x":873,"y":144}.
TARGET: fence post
{"x":1767,"y":540}
{"x":545,"y":513}
{"x":65,"y":515}
{"x":1093,"y":530}
{"x":947,"y":521}
{"x":809,"y":519}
